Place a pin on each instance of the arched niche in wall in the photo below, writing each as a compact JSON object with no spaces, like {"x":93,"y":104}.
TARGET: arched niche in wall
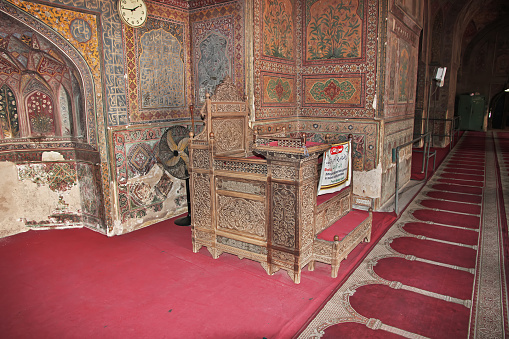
{"x":42,"y":54}
{"x":41,"y":95}
{"x":48,"y":119}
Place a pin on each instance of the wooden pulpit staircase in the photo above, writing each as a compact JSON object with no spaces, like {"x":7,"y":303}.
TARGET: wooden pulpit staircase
{"x":255,"y":196}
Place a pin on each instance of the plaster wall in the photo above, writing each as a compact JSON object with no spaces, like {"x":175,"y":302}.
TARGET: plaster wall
{"x":31,"y":201}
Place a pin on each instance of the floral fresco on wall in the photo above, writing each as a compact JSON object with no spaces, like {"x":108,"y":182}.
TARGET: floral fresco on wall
{"x":334,"y":29}
{"x":342,"y":91}
{"x":278,"y":29}
{"x":278,"y":89}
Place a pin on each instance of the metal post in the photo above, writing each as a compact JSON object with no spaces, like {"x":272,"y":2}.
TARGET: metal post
{"x":397,"y":182}
{"x":427,"y":144}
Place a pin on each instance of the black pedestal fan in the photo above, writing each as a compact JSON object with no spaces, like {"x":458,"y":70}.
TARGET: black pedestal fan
{"x":174,"y":157}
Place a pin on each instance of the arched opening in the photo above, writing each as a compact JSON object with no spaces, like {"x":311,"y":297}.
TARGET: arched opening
{"x":40,"y":95}
{"x":48,"y":141}
{"x":499,"y":110}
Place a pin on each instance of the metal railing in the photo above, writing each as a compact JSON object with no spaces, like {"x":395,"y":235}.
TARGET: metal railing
{"x":425,"y":158}
{"x":452,"y":131}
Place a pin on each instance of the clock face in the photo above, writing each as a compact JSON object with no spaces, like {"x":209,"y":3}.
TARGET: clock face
{"x":133,"y":12}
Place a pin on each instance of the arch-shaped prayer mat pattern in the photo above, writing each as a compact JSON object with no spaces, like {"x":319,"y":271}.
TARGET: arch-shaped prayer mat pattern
{"x":412,"y":312}
{"x":457,"y":188}
{"x":444,"y":233}
{"x":439,"y":271}
{"x":473,"y":199}
{"x":436,"y":251}
{"x":451,"y":206}
{"x":447,"y":218}
{"x":429,"y":277}
{"x":461,"y":182}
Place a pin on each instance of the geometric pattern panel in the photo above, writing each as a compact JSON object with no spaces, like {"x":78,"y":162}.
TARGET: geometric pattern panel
{"x":140,"y":157}
{"x":141,"y":185}
{"x":59,"y":177}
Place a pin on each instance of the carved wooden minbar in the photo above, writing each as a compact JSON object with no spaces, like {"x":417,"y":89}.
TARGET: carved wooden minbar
{"x":262,"y":207}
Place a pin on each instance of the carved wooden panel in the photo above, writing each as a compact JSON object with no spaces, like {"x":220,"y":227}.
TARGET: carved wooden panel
{"x":323,"y":251}
{"x":201,"y":158}
{"x":329,"y":214}
{"x":203,"y":236}
{"x":229,"y":108}
{"x":242,"y":215}
{"x":308,"y":202}
{"x":227,"y":91}
{"x":309,"y":170}
{"x":284,"y":198}
{"x":283,"y":256}
{"x":201,"y":200}
{"x":239,"y":166}
{"x":284,"y":172}
{"x":241,"y":245}
{"x":249,"y":187}
{"x":346,"y":204}
{"x":229,"y":134}
{"x":330,"y":211}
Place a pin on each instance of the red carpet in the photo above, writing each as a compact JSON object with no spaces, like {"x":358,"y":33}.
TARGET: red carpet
{"x":464,"y":171}
{"x":461,"y":182}
{"x":416,"y":174}
{"x":448,"y":218}
{"x":412,"y":312}
{"x":473,"y":199}
{"x":457,"y":188}
{"x":454,"y":165}
{"x":451,"y":234}
{"x":149,"y":284}
{"x":451,"y":206}
{"x":435,"y":251}
{"x":356,"y":331}
{"x":428,"y":277}
{"x":442,"y":282}
{"x":463,"y":176}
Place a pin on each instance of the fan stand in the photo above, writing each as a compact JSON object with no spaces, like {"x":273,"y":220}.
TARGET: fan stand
{"x":185,"y":221}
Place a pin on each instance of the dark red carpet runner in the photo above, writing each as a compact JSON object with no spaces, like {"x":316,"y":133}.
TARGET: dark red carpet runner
{"x":419,"y":280}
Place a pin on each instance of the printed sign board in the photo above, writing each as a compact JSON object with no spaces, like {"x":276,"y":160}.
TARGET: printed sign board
{"x":336,"y":168}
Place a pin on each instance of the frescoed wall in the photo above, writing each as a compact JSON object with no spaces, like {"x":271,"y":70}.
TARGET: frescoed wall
{"x":334,"y":29}
{"x":315,"y":71}
{"x":99,"y":102}
{"x":400,"y":88}
{"x":218,"y":47}
{"x":275,"y":56}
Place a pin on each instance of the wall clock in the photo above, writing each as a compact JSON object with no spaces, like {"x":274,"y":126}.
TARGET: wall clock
{"x":133,"y":12}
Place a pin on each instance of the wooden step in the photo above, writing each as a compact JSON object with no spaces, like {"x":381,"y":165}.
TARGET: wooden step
{"x":344,"y":226}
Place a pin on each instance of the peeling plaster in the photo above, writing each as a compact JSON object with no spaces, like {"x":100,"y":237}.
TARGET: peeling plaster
{"x":22,"y":201}
{"x":169,"y":209}
{"x":368,"y":183}
{"x":52,"y":156}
